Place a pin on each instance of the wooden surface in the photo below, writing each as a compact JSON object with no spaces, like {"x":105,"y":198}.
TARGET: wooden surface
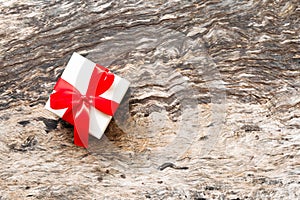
{"x":214,"y":88}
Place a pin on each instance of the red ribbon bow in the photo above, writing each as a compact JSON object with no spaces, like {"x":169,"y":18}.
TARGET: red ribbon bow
{"x":78,"y":105}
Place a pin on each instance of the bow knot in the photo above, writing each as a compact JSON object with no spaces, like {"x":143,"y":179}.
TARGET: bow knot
{"x":86,"y":99}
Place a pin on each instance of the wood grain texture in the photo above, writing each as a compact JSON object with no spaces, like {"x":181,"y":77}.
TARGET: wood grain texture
{"x":214,"y":87}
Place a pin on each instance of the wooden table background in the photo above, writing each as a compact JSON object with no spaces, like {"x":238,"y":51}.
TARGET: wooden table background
{"x":214,"y":87}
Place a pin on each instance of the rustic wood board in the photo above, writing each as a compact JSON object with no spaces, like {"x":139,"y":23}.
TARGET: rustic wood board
{"x":214,"y":88}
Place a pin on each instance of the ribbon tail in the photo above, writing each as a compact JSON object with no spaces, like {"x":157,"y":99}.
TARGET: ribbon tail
{"x":81,"y":125}
{"x":68,"y":116}
{"x":106,"y":106}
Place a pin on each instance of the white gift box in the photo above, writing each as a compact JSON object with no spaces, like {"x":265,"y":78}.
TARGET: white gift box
{"x":78,"y":73}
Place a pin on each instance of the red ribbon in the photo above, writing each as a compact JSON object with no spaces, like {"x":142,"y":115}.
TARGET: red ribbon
{"x":78,"y":105}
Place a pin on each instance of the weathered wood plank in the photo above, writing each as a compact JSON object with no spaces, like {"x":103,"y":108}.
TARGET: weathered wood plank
{"x":215,"y":88}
